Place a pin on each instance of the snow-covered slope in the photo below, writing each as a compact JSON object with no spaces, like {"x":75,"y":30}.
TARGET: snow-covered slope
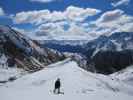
{"x":125,"y":75}
{"x":9,"y":73}
{"x":77,"y":84}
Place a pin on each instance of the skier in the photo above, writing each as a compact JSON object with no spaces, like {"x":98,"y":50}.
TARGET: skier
{"x":57,"y":86}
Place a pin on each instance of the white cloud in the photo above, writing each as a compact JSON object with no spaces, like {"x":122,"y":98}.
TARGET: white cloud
{"x":110,"y":15}
{"x":68,"y":24}
{"x":79,"y":14}
{"x":113,"y":21}
{"x":72,"y":13}
{"x":42,"y":1}
{"x":32,"y":17}
{"x":1,"y":12}
{"x":56,"y":31}
{"x":121,"y":2}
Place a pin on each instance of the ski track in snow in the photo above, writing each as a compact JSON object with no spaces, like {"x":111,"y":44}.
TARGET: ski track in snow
{"x":76,"y":83}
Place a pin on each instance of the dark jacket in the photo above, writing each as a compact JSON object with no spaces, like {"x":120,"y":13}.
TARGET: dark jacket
{"x":57,"y":83}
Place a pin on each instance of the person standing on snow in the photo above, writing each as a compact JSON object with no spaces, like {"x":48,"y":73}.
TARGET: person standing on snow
{"x":57,"y":86}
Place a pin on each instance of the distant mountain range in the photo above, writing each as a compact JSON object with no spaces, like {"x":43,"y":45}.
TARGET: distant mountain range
{"x":105,"y":54}
{"x":73,"y":46}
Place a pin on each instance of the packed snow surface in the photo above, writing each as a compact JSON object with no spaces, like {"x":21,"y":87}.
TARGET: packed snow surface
{"x":76,"y":83}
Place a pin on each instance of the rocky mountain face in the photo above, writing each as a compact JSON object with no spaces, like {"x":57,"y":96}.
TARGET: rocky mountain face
{"x":24,"y":52}
{"x":110,"y":54}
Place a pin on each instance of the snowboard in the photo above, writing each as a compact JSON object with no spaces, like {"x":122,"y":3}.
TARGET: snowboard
{"x":62,"y":93}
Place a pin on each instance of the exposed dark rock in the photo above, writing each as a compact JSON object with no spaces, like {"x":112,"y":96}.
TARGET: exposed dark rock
{"x":24,"y":52}
{"x":107,"y":62}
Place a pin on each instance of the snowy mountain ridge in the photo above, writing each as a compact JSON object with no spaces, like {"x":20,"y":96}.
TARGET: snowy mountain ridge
{"x":24,"y":52}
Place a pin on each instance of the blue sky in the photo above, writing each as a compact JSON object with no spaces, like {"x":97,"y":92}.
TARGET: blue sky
{"x":15,"y":6}
{"x":11,"y":12}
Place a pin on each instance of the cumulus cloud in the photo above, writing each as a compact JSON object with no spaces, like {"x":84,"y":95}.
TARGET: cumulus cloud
{"x":68,"y":24}
{"x":32,"y":17}
{"x":71,"y":25}
{"x":111,"y":15}
{"x":42,"y":1}
{"x":113,"y":21}
{"x":79,"y":14}
{"x":120,"y":2}
{"x":72,"y":13}
{"x":1,"y":12}
{"x":56,"y":31}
